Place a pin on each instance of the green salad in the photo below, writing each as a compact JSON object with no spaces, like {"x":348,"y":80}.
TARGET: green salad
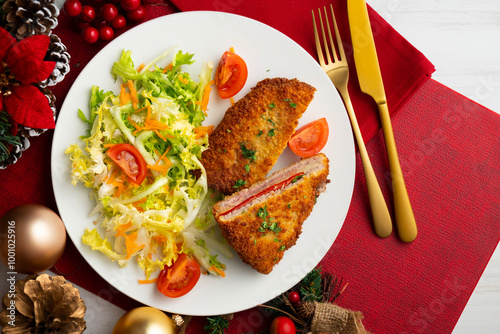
{"x":141,"y":158}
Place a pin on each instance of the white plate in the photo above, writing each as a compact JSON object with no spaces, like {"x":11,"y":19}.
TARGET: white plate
{"x":268,"y":53}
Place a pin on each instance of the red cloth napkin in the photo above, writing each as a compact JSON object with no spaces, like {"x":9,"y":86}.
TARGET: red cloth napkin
{"x":447,"y":147}
{"x":403,"y":67}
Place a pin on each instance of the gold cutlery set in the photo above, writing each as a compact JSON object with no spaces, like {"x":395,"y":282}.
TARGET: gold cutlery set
{"x":334,"y":63}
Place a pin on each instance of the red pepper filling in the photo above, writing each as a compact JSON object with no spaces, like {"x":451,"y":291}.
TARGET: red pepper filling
{"x":277,"y":186}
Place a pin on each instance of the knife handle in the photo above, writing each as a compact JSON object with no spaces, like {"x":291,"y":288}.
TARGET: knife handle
{"x":382,"y":222}
{"x":405,"y":220}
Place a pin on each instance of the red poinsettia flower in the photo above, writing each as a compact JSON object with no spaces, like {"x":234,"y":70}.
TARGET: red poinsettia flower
{"x":24,"y":64}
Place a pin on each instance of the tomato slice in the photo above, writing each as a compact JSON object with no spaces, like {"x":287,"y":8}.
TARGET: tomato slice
{"x":310,"y":139}
{"x":130,"y":160}
{"x":179,"y":278}
{"x":231,"y":74}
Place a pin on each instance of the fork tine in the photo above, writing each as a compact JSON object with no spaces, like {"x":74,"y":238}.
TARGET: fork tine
{"x":319,"y":49}
{"x":325,"y":43}
{"x":332,"y":43}
{"x":340,"y":46}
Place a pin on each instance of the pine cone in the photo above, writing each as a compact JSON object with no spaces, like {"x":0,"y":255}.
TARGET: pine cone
{"x":15,"y":152}
{"x":28,"y":132}
{"x":25,"y":18}
{"x":43,"y":304}
{"x":58,"y":53}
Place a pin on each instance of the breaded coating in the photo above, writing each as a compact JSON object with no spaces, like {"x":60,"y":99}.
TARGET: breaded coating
{"x":253,"y":133}
{"x":263,"y":230}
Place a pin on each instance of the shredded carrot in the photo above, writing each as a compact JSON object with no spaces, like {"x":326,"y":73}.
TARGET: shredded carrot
{"x":231,"y":49}
{"x":159,"y":134}
{"x":162,"y":157}
{"x":139,"y":110}
{"x":148,"y":281}
{"x":183,"y":80}
{"x":140,"y":67}
{"x":112,"y":176}
{"x":108,"y":145}
{"x":120,"y":230}
{"x":201,"y":130}
{"x":130,"y":244}
{"x":159,"y":168}
{"x":205,"y":98}
{"x":168,"y":68}
{"x":133,"y":94}
{"x":218,"y":271}
{"x":134,"y":124}
{"x":152,"y":123}
{"x":232,"y":100}
{"x":124,"y":95}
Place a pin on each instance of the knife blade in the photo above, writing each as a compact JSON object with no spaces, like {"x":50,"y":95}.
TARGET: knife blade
{"x":371,"y":83}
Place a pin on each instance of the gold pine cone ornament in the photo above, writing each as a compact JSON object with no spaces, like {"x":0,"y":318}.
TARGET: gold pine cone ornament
{"x":42,"y":304}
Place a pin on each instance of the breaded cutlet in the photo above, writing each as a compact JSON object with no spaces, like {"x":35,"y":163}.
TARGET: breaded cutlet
{"x":253,"y":133}
{"x":260,"y":226}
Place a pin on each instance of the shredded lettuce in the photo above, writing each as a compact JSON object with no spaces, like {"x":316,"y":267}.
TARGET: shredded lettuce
{"x":157,"y":111}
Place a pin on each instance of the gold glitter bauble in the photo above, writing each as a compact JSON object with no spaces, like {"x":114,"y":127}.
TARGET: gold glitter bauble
{"x":145,"y":320}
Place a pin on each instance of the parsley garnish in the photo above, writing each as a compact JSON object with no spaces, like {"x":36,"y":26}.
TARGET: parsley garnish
{"x":293,"y":105}
{"x":272,"y":105}
{"x":247,"y":167}
{"x":282,"y":248}
{"x":298,"y":177}
{"x":287,"y":100}
{"x":239,"y":183}
{"x":266,"y":224}
{"x":271,"y":133}
{"x":260,"y":133}
{"x":249,"y":154}
{"x":271,"y":121}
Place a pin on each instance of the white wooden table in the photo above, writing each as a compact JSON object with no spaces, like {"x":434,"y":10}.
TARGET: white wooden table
{"x":462,"y":39}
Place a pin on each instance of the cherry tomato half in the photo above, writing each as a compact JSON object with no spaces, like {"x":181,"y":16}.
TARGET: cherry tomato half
{"x":231,"y":75}
{"x":310,"y":139}
{"x":179,"y":278}
{"x":130,"y":160}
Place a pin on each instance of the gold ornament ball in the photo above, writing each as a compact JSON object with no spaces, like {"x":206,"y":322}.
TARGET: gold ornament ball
{"x":32,"y":238}
{"x":145,"y":320}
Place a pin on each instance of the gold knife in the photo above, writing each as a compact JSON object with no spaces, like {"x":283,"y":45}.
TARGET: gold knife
{"x":370,"y":81}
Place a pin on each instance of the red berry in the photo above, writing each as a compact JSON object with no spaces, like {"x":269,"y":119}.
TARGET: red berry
{"x":90,"y":35}
{"x":294,"y":297}
{"x":81,"y":24}
{"x":137,"y":15}
{"x":88,"y":13}
{"x":109,"y":12}
{"x":106,"y":33}
{"x":283,"y":325}
{"x":119,"y":22}
{"x":130,"y":4}
{"x":72,"y":8}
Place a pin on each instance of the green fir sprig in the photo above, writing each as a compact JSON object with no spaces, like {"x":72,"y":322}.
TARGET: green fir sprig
{"x":311,"y":286}
{"x":6,"y":137}
{"x":216,"y":325}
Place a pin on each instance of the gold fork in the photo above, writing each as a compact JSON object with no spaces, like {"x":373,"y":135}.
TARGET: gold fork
{"x":338,"y":72}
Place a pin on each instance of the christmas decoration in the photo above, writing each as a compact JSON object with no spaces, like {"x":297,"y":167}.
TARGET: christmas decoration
{"x":57,"y":53}
{"x":315,"y":312}
{"x":42,"y":304}
{"x":31,"y":58}
{"x":282,"y":325}
{"x":98,"y":22}
{"x":30,"y":17}
{"x":145,"y":320}
{"x":39,"y":238}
